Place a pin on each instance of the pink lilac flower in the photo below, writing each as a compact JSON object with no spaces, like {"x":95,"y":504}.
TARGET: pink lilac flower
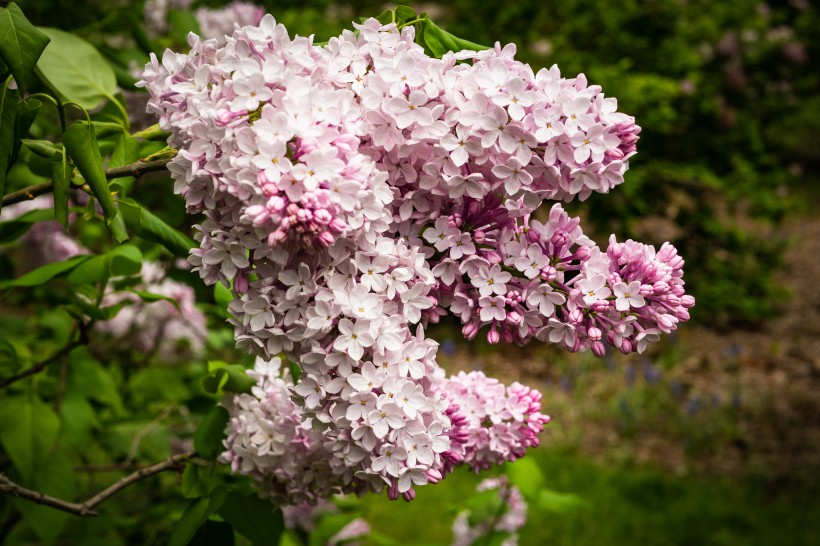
{"x":347,"y":203}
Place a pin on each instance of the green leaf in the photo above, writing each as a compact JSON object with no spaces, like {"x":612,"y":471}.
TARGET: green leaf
{"x":105,"y":129}
{"x":13,"y":229}
{"x":526,"y":476}
{"x":76,"y":69}
{"x":78,"y":421}
{"x":27,"y":112}
{"x":43,"y":148}
{"x":152,"y":228}
{"x":153,"y":132}
{"x":61,"y":177}
{"x":255,"y":519}
{"x":295,"y":371}
{"x":195,"y":516}
{"x":120,"y":261}
{"x":404,"y":14}
{"x":45,"y":273}
{"x":29,"y":431}
{"x":483,"y":506}
{"x":88,"y":378}
{"x":82,"y":147}
{"x":210,"y":433}
{"x":8,"y":353}
{"x":21,"y":44}
{"x":385,"y":17}
{"x":126,"y":151}
{"x":214,"y":533}
{"x":125,"y":260}
{"x":222,"y":297}
{"x":553,"y":501}
{"x":91,"y":271}
{"x":182,"y":21}
{"x":150,"y":297}
{"x":439,"y":41}
{"x":9,"y":101}
{"x":227,"y":377}
{"x":56,"y":478}
{"x":197,"y":481}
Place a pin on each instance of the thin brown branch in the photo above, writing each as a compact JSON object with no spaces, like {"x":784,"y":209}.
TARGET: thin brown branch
{"x":10,"y":488}
{"x":87,"y":508}
{"x":138,"y":169}
{"x":168,"y":464}
{"x":111,"y":467}
{"x":27,"y":194}
{"x":39,"y":367}
{"x":134,"y":169}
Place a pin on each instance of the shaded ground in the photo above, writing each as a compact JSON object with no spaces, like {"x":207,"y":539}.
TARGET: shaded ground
{"x":737,"y":403}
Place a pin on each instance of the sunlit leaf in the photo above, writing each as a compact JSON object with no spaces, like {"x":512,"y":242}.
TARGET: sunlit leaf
{"x":76,"y":69}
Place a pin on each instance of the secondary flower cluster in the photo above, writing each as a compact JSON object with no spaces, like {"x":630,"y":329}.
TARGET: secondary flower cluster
{"x":357,"y":191}
{"x":391,"y":433}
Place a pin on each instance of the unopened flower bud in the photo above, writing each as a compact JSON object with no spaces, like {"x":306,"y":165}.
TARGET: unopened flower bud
{"x":493,"y":336}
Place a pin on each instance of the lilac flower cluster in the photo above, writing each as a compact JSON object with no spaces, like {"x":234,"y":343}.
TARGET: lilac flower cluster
{"x":502,"y":422}
{"x":353,"y":193}
{"x":374,"y":443}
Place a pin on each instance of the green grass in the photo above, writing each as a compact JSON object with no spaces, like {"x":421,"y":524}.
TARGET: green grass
{"x":623,"y":506}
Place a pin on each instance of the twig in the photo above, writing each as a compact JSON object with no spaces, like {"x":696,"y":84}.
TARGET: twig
{"x":37,"y":368}
{"x":87,"y":508}
{"x":139,"y":436}
{"x":138,"y":169}
{"x":111,"y":467}
{"x":141,"y":474}
{"x":134,"y":169}
{"x":27,"y":194}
